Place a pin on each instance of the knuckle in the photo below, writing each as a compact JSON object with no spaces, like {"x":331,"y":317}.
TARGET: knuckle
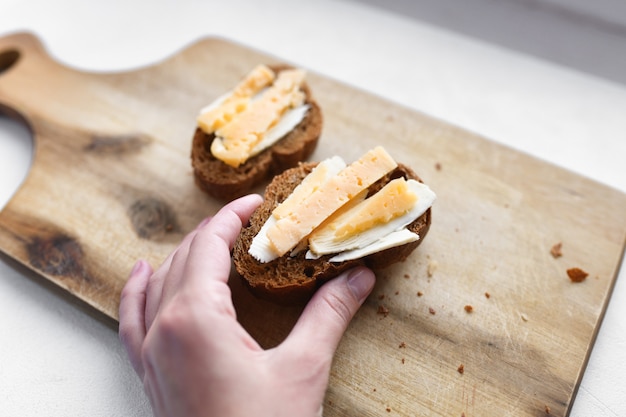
{"x":125,"y":331}
{"x":341,"y":307}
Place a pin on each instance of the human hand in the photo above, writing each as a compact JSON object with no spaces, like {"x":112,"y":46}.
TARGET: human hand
{"x":180,"y":330}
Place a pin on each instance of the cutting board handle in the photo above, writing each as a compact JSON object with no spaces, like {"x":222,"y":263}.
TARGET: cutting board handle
{"x":16,"y":46}
{"x":32,"y":83}
{"x":22,"y":52}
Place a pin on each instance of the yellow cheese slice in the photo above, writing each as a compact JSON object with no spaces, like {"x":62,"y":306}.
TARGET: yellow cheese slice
{"x":370,"y":239}
{"x":225,"y":108}
{"x":311,"y":183}
{"x":235,"y":140}
{"x":259,"y":78}
{"x":393,"y":200}
{"x":261,"y":248}
{"x":310,"y":213}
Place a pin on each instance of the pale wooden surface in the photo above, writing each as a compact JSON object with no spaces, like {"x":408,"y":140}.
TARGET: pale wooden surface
{"x":106,"y":142}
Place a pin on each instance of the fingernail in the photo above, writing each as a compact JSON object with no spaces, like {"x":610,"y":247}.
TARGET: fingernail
{"x":361,"y":281}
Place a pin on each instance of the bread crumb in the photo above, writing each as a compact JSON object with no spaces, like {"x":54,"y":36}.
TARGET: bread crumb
{"x":402,"y":345}
{"x":380,"y":297}
{"x":524,"y":317}
{"x":419,"y":293}
{"x":576,"y":274}
{"x":407,"y":276}
{"x":388,"y":409}
{"x":487,"y":295}
{"x":382,"y":310}
{"x":402,"y":361}
{"x":431,"y":310}
{"x":555,"y":251}
{"x":461,"y":369}
{"x":438,"y":166}
{"x":547,"y":409}
{"x":432,"y":266}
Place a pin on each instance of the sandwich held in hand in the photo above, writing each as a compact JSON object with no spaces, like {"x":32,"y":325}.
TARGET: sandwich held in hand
{"x":320,"y":219}
{"x":267,"y":123}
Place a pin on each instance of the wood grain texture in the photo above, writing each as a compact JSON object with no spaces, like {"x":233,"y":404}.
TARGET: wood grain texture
{"x":111,"y":182}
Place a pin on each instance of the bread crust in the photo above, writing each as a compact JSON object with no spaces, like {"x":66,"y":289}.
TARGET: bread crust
{"x":225,"y":182}
{"x":293,"y":280}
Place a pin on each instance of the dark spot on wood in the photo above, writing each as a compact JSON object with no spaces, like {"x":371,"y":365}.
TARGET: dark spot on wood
{"x":117,"y":144}
{"x":152,"y":218}
{"x":58,"y":255}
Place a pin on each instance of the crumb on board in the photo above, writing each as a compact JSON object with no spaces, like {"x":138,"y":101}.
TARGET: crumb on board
{"x":438,"y":166}
{"x":380,"y":297}
{"x":388,"y":409}
{"x":402,"y":361}
{"x":402,"y":345}
{"x":547,"y":409}
{"x":487,"y":295}
{"x":461,"y":369}
{"x":524,"y":317}
{"x":468,"y":308}
{"x":431,"y":310}
{"x":555,"y":251}
{"x":432,"y":267}
{"x":419,"y":293}
{"x":407,"y":276}
{"x":576,"y":274}
{"x":382,"y":310}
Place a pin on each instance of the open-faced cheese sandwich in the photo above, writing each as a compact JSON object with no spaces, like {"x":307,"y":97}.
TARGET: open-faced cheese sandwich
{"x":267,"y":123}
{"x":319,"y":219}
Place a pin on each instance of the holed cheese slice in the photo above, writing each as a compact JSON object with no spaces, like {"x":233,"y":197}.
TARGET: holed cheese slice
{"x":225,"y":108}
{"x":236,"y":139}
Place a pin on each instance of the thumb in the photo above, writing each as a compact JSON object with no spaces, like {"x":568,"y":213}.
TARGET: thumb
{"x":328,"y":313}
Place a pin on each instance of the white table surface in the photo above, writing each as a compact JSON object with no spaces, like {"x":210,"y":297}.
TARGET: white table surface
{"x":58,"y":358}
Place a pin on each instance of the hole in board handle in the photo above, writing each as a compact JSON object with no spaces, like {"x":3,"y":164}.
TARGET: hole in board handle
{"x":8,"y":58}
{"x":16,"y":140}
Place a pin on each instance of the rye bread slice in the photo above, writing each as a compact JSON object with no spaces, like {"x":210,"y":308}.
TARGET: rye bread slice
{"x":226,"y":182}
{"x":293,"y":280}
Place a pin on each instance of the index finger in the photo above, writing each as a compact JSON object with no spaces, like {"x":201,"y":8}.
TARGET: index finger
{"x":209,"y":251}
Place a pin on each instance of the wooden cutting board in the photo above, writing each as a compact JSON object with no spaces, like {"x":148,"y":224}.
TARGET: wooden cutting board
{"x":111,"y":182}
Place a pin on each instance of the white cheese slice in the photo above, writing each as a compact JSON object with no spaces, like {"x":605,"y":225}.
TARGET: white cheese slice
{"x":392,"y":240}
{"x":289,"y":120}
{"x":261,"y":247}
{"x":425,"y":199}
